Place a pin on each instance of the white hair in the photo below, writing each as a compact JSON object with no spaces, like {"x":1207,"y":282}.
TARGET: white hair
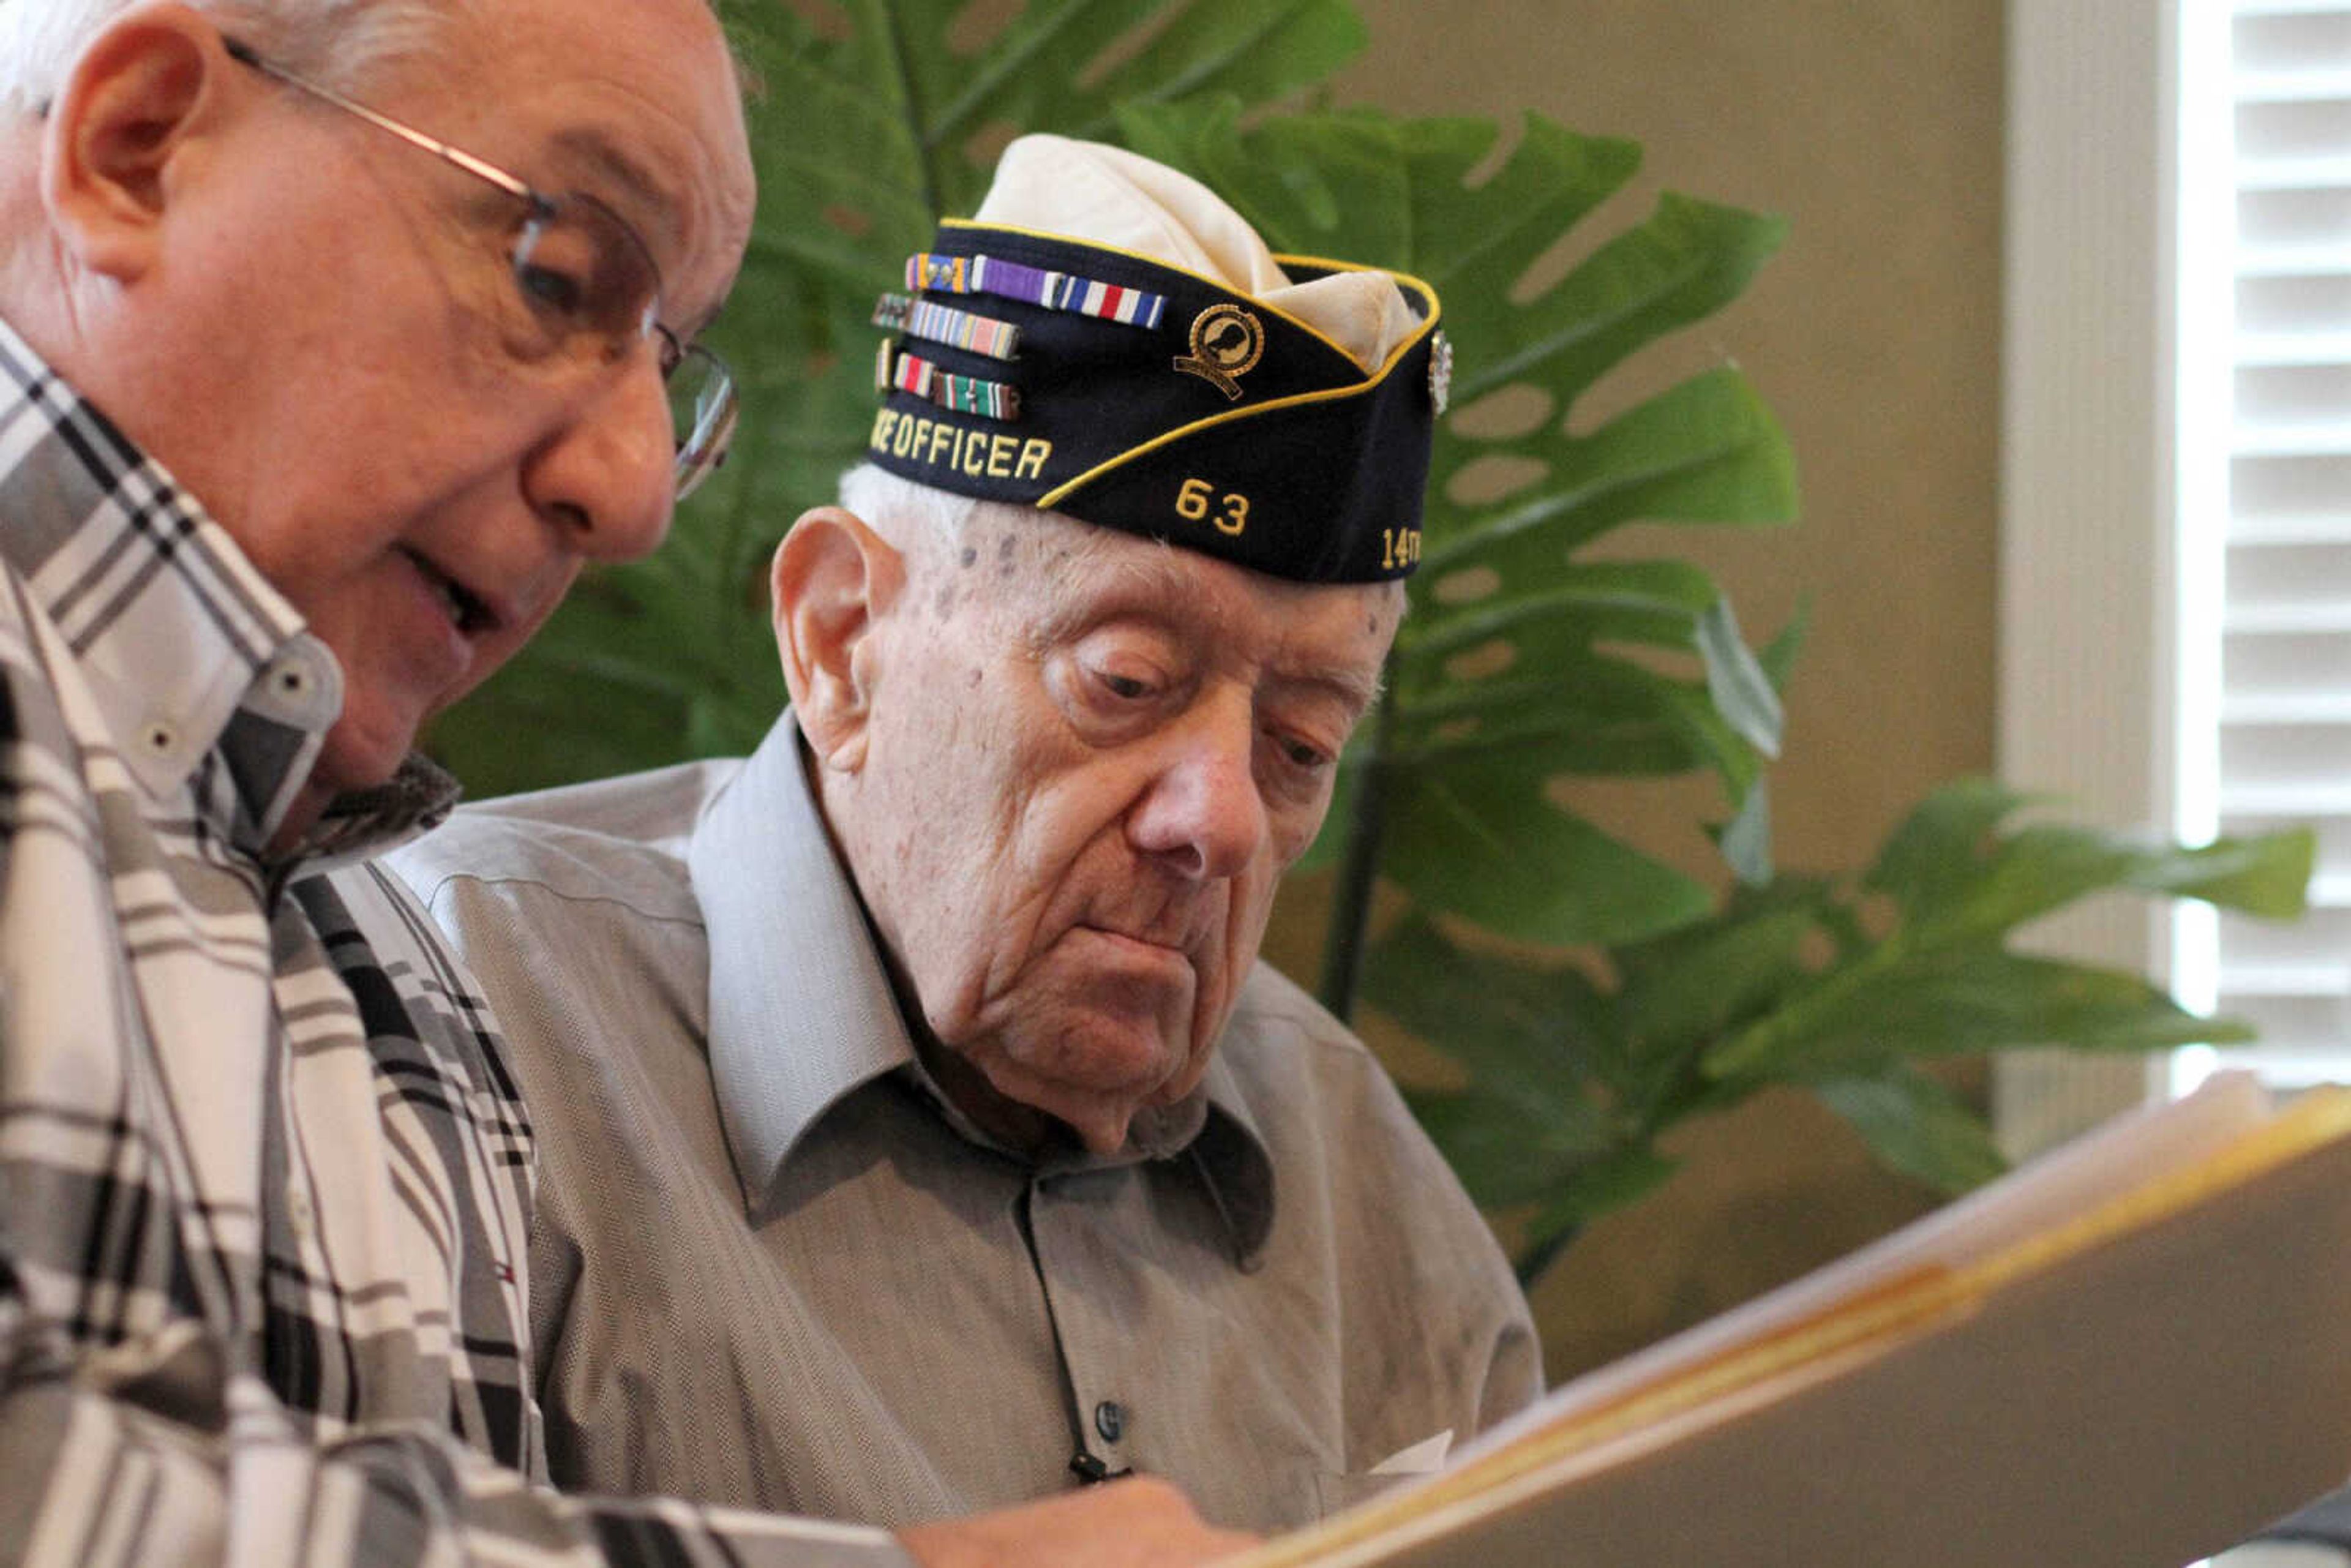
{"x":335,"y":41}
{"x":919,"y":517}
{"x":880,"y":497}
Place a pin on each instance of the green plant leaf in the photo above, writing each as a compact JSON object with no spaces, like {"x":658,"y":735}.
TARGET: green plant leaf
{"x":1960,"y":1000}
{"x":864,"y":137}
{"x":1746,"y":839}
{"x":1958,"y":878}
{"x":2268,"y":876}
{"x":1591,"y":714}
{"x":1778,"y":656}
{"x":1523,"y":672}
{"x":1735,"y":679}
{"x":1931,"y":859}
{"x":1917,"y":1125}
{"x":1479,"y":836}
{"x":1505,"y":1153}
{"x":1533,"y":1034}
{"x":1707,"y":451}
{"x":1659,"y":602}
{"x":1623,"y":1177}
{"x":1689,"y":988}
{"x":1543,"y":1121}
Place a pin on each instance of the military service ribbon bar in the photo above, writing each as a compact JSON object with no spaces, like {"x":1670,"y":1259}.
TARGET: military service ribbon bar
{"x":965,"y":394}
{"x":945,"y":324}
{"x":1034,"y":286}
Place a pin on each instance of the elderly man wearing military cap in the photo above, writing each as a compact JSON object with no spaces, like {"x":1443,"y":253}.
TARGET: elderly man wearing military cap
{"x":920,"y":1132}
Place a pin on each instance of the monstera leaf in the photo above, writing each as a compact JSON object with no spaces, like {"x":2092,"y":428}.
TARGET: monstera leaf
{"x":870,"y":119}
{"x":1524,"y":664}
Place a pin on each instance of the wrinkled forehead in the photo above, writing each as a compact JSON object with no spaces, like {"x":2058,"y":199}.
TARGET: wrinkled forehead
{"x":1086,"y":576}
{"x":637,"y":101}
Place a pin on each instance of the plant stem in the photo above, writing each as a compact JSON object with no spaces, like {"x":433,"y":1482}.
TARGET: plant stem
{"x":1533,"y":1264}
{"x":1756,"y":1048}
{"x":896,"y":37}
{"x":1359,"y":867}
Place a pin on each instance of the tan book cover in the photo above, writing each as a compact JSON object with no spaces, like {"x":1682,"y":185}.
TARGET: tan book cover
{"x":2128,"y":1355}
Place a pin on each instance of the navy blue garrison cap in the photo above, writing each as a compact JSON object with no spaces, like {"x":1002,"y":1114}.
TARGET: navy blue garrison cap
{"x":1183,"y":384}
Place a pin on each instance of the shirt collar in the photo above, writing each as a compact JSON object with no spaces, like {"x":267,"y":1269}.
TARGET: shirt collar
{"x":802,"y":1013}
{"x":201,"y":670}
{"x":800,"y":1007}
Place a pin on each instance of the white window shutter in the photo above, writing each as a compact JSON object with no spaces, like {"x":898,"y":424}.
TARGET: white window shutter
{"x":2283,"y":753}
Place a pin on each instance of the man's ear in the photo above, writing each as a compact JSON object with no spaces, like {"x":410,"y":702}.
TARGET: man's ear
{"x":833,"y":581}
{"x":141,"y":94}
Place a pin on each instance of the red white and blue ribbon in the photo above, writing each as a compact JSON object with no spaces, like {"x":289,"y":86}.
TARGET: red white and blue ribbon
{"x":1034,"y":286}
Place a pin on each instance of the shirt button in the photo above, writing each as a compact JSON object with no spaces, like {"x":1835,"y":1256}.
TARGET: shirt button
{"x":1109,"y":1420}
{"x":299,"y":1212}
{"x":159,"y":738}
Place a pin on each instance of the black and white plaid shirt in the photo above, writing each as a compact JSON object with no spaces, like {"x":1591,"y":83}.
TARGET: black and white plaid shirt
{"x":264,"y":1182}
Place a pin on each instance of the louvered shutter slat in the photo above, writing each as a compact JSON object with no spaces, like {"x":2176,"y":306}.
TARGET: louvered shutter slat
{"x":2285,"y":667}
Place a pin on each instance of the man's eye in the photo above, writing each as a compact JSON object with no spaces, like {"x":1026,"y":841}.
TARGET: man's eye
{"x":1127,"y":688}
{"x":558,"y":265}
{"x":1302,"y":754}
{"x":549,"y":288}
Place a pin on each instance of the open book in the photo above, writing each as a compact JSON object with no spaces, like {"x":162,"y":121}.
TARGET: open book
{"x":2129,"y":1354}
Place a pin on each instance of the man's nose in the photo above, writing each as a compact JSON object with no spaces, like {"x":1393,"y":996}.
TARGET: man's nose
{"x":606,"y":472}
{"x":1204,"y":814}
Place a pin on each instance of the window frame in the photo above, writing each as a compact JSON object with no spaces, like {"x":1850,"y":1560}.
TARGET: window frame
{"x":2121,"y":219}
{"x":2090,"y":483}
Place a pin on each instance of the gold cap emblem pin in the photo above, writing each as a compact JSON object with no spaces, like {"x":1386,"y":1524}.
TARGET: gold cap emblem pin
{"x":1226,"y":341}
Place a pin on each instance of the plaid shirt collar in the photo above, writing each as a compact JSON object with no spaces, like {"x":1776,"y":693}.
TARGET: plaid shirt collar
{"x":205,"y":675}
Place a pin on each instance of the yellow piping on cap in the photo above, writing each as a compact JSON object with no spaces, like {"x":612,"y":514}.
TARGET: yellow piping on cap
{"x":1054,"y":497}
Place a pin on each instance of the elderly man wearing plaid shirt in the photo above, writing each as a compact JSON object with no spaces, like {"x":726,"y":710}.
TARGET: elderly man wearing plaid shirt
{"x":307,"y":418}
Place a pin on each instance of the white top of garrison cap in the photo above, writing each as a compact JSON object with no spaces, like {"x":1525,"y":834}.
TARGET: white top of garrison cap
{"x":1111,"y":197}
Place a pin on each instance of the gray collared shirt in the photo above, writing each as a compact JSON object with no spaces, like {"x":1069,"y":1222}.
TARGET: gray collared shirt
{"x":772,"y":1266}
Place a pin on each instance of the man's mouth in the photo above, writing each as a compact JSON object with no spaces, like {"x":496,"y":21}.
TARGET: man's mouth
{"x":1173,"y":922}
{"x":1167,"y":937}
{"x":467,"y":611}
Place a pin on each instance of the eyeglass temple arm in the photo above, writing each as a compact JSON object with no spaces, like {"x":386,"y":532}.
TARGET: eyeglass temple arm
{"x":244,"y":54}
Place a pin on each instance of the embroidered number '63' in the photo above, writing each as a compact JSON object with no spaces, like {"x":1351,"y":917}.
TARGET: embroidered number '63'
{"x":1196,"y":498}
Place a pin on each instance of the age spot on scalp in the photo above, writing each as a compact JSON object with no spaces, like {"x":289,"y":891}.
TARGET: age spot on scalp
{"x":969,"y":555}
{"x":943,"y":605}
{"x":1004,"y":561}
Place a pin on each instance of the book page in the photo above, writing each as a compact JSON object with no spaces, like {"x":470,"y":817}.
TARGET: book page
{"x":2091,"y":1304}
{"x":2093,"y":1168}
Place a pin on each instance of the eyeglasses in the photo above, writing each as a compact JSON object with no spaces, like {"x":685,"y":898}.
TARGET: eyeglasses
{"x":583,"y":277}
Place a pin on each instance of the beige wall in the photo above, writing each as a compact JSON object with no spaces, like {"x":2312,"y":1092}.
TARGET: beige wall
{"x":1876,"y":129}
